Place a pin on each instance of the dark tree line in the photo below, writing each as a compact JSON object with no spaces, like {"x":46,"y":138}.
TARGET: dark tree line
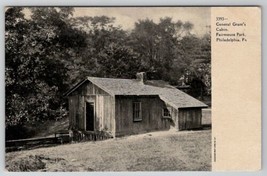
{"x":50,"y":51}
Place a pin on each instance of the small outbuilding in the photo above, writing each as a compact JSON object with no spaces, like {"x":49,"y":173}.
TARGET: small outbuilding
{"x":131,"y":106}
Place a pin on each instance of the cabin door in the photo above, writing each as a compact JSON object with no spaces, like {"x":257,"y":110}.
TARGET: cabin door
{"x":90,"y":116}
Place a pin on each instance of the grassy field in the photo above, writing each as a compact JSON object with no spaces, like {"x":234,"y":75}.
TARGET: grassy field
{"x":157,"y":151}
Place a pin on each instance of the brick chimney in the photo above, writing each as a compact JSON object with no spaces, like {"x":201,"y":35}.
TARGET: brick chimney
{"x":141,"y":76}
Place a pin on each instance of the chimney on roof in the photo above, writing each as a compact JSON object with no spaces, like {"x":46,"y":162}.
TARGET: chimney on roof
{"x":141,"y":77}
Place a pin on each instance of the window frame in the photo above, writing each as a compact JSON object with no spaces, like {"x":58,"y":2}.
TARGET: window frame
{"x":137,"y":109}
{"x":163,"y":113}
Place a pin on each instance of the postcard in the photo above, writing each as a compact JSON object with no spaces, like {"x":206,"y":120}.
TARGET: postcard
{"x":133,"y":88}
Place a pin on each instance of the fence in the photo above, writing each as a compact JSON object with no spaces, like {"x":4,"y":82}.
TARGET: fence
{"x":59,"y":138}
{"x":22,"y":144}
{"x":90,"y":135}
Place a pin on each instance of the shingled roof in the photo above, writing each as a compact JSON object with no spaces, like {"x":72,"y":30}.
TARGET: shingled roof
{"x":166,"y":92}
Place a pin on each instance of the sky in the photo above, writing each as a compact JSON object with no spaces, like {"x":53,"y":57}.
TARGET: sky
{"x":127,"y":16}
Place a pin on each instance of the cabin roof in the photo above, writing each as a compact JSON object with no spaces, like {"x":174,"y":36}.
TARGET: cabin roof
{"x":166,"y":92}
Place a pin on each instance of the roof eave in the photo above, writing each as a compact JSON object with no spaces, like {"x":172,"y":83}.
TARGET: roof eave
{"x":81,"y":83}
{"x":100,"y":86}
{"x":74,"y":88}
{"x":201,"y":106}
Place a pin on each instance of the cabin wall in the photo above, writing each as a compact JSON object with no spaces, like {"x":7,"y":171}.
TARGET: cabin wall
{"x":105,"y":113}
{"x":104,"y":108}
{"x":76,"y":112}
{"x":190,"y":118}
{"x":152,"y":117}
{"x":174,"y":116}
{"x":73,"y":104}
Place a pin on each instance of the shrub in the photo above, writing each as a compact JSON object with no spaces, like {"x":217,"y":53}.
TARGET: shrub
{"x":26,"y":164}
{"x":19,"y":132}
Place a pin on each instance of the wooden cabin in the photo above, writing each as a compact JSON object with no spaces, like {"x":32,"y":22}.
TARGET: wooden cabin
{"x":131,"y":106}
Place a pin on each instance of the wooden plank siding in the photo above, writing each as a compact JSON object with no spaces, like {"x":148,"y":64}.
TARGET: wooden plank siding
{"x":105,"y":113}
{"x":104,"y":107}
{"x":152,"y":119}
{"x":76,"y":111}
{"x":73,"y":104}
{"x":190,"y":118}
{"x":174,"y":116}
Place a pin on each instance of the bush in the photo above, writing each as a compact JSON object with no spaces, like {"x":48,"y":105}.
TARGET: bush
{"x":26,"y":164}
{"x":19,"y":132}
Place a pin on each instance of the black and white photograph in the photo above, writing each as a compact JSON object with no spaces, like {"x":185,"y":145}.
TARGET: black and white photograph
{"x":92,"y":89}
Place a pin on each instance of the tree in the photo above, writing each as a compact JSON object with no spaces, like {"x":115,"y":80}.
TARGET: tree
{"x":107,"y":53}
{"x":118,"y":61}
{"x":37,"y":52}
{"x":197,"y":73}
{"x":158,"y":45}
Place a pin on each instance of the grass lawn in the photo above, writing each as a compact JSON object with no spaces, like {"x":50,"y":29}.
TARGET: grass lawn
{"x":157,"y":151}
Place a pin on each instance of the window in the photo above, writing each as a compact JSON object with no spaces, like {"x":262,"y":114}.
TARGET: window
{"x":166,"y":113}
{"x":137,"y":113}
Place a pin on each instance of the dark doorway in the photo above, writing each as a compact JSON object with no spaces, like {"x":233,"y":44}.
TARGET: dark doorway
{"x":90,"y":116}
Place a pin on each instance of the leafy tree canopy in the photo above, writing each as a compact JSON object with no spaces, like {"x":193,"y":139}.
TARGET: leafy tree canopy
{"x":37,"y":52}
